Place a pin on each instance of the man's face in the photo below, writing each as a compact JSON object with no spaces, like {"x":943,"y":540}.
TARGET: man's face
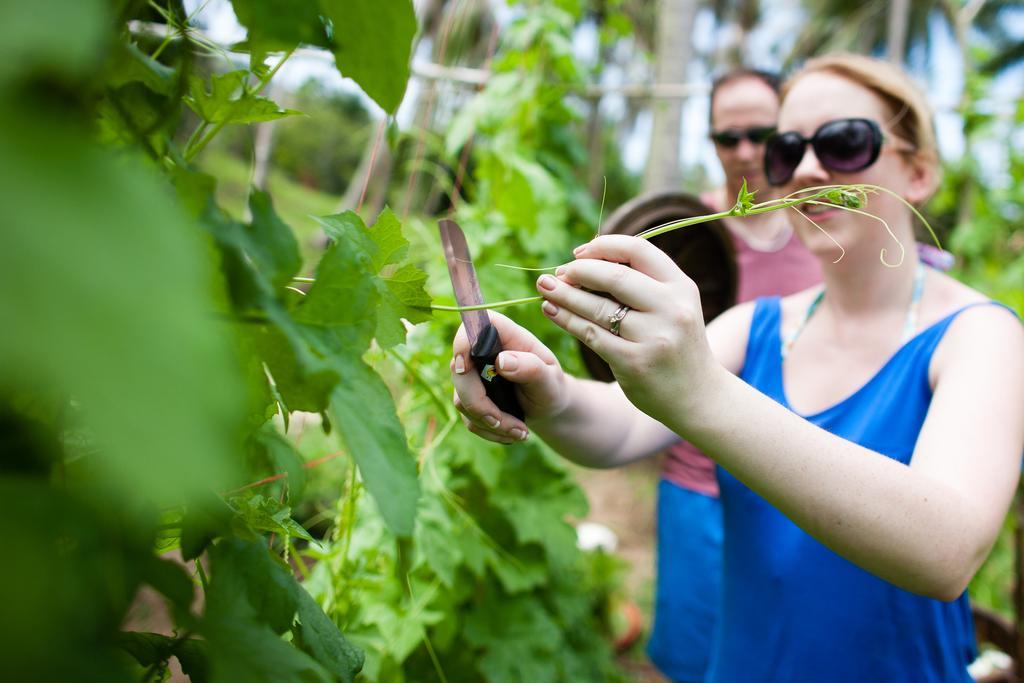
{"x":741,"y":105}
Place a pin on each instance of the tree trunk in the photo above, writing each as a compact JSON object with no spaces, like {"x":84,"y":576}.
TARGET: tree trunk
{"x":373,"y":174}
{"x":263,"y":145}
{"x":674,"y":51}
{"x":896,"y":39}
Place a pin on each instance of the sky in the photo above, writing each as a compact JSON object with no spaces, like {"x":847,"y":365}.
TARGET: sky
{"x":939,"y":77}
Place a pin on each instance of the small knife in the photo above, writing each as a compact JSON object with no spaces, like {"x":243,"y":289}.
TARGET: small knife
{"x":484,"y":343}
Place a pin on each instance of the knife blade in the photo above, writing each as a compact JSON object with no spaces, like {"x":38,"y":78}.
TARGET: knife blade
{"x":484,"y":342}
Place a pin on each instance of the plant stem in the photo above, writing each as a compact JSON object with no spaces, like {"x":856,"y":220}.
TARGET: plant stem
{"x":483,"y":307}
{"x":445,"y":406}
{"x":350,"y":514}
{"x":298,"y":560}
{"x":203,"y":581}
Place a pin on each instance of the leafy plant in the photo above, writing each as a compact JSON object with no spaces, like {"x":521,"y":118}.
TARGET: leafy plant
{"x":151,"y":336}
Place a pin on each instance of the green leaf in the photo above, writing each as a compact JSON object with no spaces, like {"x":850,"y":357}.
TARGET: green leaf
{"x":279,"y":455}
{"x":247,"y":571}
{"x":373,"y":45}
{"x":537,"y":499}
{"x":320,"y":637}
{"x":119,"y":315}
{"x":152,"y":648}
{"x":402,"y":293}
{"x":252,"y":597}
{"x":344,"y":296}
{"x":146,"y":648}
{"x":272,"y":246}
{"x":744,"y":200}
{"x":434,"y":543}
{"x":278,"y":25}
{"x":242,"y":649}
{"x":171,"y":580}
{"x":129,"y":64}
{"x":303,"y":381}
{"x":403,"y":626}
{"x":392,"y":246}
{"x":229,"y":101}
{"x":63,"y":37}
{"x":268,"y":514}
{"x":204,"y":520}
{"x":519,"y":639}
{"x":378,"y":445}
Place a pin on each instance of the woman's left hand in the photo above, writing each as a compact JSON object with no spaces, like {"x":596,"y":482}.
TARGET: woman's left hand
{"x":661,"y":356}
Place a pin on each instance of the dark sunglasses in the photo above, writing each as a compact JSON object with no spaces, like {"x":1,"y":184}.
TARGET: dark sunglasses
{"x":731,"y":137}
{"x":843,"y":145}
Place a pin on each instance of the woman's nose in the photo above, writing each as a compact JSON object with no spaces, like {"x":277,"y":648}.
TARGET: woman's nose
{"x":809,"y":171}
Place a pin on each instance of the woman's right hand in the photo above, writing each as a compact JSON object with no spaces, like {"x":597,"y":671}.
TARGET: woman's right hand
{"x":541,"y":384}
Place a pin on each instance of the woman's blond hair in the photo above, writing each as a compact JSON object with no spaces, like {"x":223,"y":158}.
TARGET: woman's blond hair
{"x":911,"y":116}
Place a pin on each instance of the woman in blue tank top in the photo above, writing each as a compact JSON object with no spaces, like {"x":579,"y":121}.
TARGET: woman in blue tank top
{"x":868,"y":433}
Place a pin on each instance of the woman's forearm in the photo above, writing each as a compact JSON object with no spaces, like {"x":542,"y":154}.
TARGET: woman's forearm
{"x":600,"y":427}
{"x":901,"y":524}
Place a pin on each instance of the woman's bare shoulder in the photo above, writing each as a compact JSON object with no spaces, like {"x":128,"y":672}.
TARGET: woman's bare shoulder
{"x":992,"y":331}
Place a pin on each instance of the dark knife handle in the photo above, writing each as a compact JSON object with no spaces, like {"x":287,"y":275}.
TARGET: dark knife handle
{"x":484,"y":355}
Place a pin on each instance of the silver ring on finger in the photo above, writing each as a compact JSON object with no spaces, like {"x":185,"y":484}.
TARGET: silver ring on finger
{"x":615,"y":319}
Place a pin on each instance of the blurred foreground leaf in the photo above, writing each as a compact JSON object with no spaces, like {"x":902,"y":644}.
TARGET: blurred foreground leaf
{"x":104,"y":297}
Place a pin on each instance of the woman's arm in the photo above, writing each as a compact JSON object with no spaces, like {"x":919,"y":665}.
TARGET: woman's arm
{"x":924,"y":527}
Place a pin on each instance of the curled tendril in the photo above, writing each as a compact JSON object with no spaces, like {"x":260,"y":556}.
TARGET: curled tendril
{"x":842,"y":250}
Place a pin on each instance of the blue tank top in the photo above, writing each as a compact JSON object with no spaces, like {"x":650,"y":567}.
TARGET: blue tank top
{"x":793,"y":610}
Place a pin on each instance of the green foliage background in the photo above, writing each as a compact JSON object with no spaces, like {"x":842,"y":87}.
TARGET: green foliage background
{"x":154,"y":334}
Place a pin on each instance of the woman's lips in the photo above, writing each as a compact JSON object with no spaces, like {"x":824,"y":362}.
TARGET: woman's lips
{"x":819,"y":213}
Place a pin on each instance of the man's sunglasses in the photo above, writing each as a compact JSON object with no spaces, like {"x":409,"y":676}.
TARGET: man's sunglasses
{"x":731,"y":137}
{"x":843,"y":145}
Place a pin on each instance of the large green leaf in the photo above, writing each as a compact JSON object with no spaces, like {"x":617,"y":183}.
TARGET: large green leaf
{"x":400,"y":286}
{"x":364,"y":414}
{"x":280,"y":24}
{"x":373,"y":45}
{"x":252,"y":597}
{"x":245,"y":570}
{"x":404,"y":294}
{"x":319,"y":636}
{"x":272,"y":243}
{"x":104,"y":295}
